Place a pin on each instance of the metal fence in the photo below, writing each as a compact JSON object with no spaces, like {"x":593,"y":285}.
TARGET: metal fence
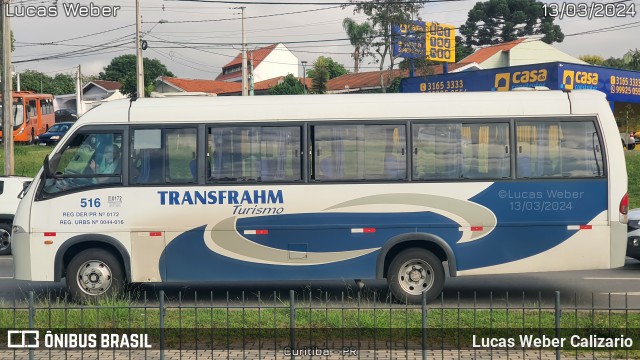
{"x":307,"y":324}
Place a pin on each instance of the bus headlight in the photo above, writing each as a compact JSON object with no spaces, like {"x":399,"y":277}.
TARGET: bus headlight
{"x":21,"y":131}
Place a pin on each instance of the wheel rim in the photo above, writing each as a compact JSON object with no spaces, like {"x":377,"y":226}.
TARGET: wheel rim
{"x":5,"y":240}
{"x":416,"y":276}
{"x":94,"y":277}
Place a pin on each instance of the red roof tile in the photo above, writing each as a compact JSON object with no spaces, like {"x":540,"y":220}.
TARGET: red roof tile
{"x":208,"y":86}
{"x":226,"y":77}
{"x":269,"y":83}
{"x":107,"y":85}
{"x":265,"y":85}
{"x":371,"y":79}
{"x":483,"y":54}
{"x":258,"y":56}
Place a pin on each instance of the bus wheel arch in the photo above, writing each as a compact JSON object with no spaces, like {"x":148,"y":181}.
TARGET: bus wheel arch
{"x":422,"y":254}
{"x":77,"y":244}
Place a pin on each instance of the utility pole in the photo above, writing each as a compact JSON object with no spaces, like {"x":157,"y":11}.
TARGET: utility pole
{"x":17,"y":81}
{"x":7,"y":101}
{"x":79,"y":107}
{"x":244,"y":57}
{"x":253,"y":80}
{"x":139,"y":63}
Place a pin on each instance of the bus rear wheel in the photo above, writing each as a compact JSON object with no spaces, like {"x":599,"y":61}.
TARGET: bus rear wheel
{"x":414,"y":271}
{"x":93,"y":274}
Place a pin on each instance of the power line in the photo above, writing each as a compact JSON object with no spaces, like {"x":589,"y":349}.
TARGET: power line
{"x":252,"y":17}
{"x":312,"y":3}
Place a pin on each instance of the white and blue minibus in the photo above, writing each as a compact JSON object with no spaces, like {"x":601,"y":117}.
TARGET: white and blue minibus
{"x":369,"y":186}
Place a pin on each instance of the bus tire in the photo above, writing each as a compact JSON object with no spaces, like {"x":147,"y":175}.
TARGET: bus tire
{"x":414,"y":271}
{"x":93,"y":274}
{"x":5,"y":239}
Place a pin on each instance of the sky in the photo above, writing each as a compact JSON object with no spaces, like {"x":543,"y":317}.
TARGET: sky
{"x":172,"y":27}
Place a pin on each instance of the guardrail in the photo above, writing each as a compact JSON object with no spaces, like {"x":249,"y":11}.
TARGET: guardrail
{"x":302,"y":325}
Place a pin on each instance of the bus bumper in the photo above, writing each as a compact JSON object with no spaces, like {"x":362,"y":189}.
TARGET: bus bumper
{"x":618,"y":244}
{"x":21,"y":249}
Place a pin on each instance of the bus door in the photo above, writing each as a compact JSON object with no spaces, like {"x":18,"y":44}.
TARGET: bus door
{"x":32,"y":120}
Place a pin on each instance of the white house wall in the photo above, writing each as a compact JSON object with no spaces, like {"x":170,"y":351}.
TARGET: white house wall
{"x":165,"y":87}
{"x":95,"y":93}
{"x":280,"y":62}
{"x":526,"y":53}
{"x":532,"y":52}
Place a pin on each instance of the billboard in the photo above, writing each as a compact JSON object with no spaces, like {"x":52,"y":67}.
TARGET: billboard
{"x":441,"y":42}
{"x":424,"y":40}
{"x":409,"y":40}
{"x":618,"y":85}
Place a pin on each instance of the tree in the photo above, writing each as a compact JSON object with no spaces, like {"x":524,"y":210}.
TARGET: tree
{"x":632,"y":59}
{"x":334,"y":68}
{"x":498,"y":21}
{"x":289,"y":86}
{"x":382,"y":14}
{"x":123,"y":69}
{"x":319,"y":75}
{"x":359,"y":36}
{"x":31,"y":80}
{"x":592,"y":59}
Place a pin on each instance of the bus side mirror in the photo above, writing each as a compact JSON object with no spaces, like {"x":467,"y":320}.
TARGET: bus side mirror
{"x":25,"y":187}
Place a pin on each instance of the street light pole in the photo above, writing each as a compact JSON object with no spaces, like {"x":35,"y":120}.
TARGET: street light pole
{"x":245,"y":90}
{"x":7,"y":99}
{"x":139,"y":63}
{"x":304,"y":75}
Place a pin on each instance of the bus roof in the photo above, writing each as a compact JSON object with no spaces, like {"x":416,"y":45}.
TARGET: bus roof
{"x":345,"y":107}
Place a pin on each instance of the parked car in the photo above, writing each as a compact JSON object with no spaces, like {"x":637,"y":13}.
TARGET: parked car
{"x":628,"y":140}
{"x":10,"y":188}
{"x":633,"y":234}
{"x":54,"y":134}
{"x":63,"y":115}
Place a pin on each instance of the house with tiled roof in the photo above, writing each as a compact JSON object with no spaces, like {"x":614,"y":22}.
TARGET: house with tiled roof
{"x":524,"y":51}
{"x":93,"y":93}
{"x":97,"y":90}
{"x":268,"y":62}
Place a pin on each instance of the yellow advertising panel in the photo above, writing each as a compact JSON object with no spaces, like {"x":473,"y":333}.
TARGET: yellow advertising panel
{"x":441,"y":42}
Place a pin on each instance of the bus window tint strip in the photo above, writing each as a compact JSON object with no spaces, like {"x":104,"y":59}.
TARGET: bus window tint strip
{"x":461,"y":151}
{"x":254,"y":154}
{"x":360,"y":152}
{"x":558,"y":149}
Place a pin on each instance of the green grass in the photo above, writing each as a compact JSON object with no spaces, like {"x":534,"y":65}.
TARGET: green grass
{"x":28,"y":158}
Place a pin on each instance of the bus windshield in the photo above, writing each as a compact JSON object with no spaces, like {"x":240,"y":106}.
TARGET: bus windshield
{"x":18,"y":114}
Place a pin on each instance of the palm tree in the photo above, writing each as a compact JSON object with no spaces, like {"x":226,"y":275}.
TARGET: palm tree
{"x":359,"y":36}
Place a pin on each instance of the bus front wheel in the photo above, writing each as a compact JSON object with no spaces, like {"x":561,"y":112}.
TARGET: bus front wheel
{"x":5,"y":239}
{"x":94,"y":273}
{"x":414,"y":271}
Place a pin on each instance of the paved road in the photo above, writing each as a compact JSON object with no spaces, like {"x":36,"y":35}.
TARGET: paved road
{"x":615,"y":286}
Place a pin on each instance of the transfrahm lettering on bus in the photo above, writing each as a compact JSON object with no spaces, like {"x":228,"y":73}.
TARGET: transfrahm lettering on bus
{"x":220,"y":197}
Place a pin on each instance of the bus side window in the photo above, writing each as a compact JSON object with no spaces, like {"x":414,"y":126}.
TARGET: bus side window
{"x":147,"y":164}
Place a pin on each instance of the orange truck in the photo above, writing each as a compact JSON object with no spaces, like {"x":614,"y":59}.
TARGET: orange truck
{"x":33,"y":114}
